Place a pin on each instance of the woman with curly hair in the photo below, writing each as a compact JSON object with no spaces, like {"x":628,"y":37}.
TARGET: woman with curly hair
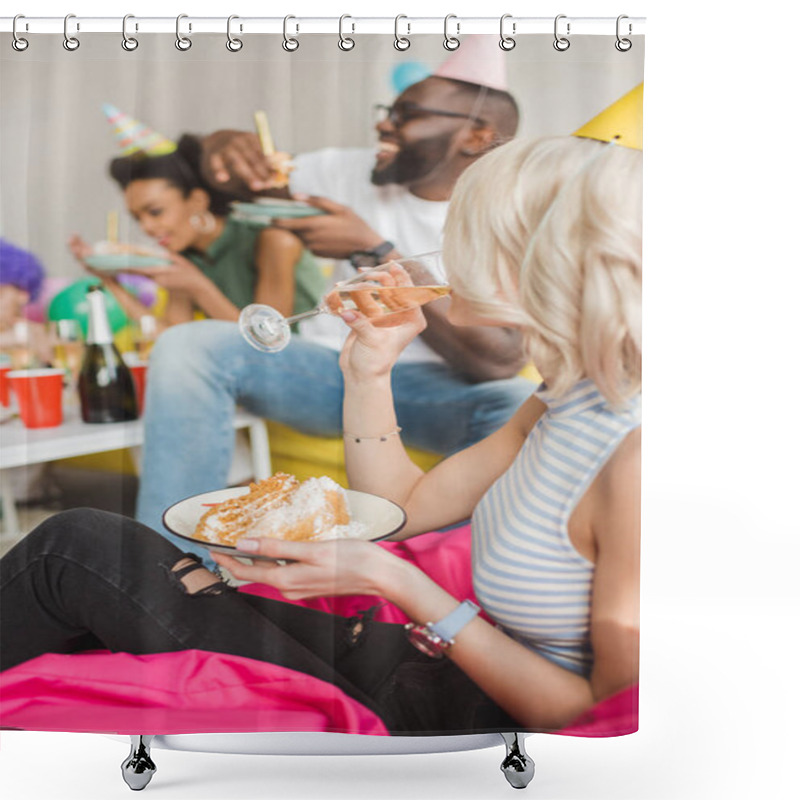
{"x":219,"y":265}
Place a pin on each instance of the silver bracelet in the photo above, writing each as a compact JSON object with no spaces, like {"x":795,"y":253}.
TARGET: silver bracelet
{"x":382,"y":438}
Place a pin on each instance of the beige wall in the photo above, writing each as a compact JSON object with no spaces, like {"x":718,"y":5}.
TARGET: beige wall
{"x":55,"y":143}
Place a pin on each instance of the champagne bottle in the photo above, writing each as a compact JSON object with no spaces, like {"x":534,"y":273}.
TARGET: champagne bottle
{"x":105,"y":384}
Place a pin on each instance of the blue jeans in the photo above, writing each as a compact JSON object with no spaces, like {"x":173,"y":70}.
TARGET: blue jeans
{"x":200,"y":371}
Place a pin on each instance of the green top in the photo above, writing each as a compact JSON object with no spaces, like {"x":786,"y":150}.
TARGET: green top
{"x":230,"y":264}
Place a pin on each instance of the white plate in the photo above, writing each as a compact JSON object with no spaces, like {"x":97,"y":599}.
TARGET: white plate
{"x":380,"y":517}
{"x":265,"y":209}
{"x":122,"y":262}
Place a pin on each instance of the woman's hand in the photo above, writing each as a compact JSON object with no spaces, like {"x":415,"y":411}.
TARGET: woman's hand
{"x":376,"y":340}
{"x":81,"y":249}
{"x":320,"y":569}
{"x":181,"y":276}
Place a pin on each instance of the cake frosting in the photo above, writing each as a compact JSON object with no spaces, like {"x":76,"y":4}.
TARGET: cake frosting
{"x":281,"y":507}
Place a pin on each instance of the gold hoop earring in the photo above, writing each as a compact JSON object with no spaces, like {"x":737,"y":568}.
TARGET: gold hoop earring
{"x":203,"y":223}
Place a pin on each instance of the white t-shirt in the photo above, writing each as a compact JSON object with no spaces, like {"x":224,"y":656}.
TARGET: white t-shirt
{"x":412,"y":224}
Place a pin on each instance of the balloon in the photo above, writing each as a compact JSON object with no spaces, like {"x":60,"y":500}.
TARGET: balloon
{"x":37,"y":310}
{"x":72,"y":303}
{"x":407,"y":73}
{"x":140,"y":286}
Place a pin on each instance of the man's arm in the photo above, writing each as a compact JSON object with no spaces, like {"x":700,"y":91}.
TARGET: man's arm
{"x":479,"y":353}
{"x":233,"y":162}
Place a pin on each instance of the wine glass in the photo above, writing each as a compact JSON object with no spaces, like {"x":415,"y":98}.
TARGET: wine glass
{"x":66,"y":338}
{"x":145,"y":335}
{"x":372,"y":291}
{"x":20,"y":346}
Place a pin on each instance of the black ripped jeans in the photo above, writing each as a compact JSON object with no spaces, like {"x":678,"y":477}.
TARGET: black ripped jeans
{"x":88,"y":579}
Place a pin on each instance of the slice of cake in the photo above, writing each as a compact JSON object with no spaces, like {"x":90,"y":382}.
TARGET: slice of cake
{"x":281,"y":508}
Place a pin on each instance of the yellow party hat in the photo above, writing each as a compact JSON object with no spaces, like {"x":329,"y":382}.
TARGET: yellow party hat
{"x":134,"y":137}
{"x":620,"y":123}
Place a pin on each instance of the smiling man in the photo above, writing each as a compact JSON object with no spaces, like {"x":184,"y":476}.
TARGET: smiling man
{"x":453,"y":385}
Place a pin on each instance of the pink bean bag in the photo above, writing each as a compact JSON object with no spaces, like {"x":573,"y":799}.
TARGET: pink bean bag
{"x":201,"y":692}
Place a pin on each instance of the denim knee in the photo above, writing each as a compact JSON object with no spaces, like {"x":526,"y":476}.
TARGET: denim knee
{"x":178,"y":347}
{"x":193,"y":357}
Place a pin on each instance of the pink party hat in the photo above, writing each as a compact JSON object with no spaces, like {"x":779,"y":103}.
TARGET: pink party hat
{"x":134,"y":137}
{"x":478,"y":60}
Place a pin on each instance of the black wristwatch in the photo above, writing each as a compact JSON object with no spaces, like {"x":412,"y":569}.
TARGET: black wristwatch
{"x":373,"y":257}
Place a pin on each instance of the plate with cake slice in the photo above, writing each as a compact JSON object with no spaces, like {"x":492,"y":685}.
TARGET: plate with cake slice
{"x":121,"y":257}
{"x":282,"y":507}
{"x":265,"y":209}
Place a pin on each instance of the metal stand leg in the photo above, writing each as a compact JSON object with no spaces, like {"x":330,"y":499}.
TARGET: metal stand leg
{"x":138,"y":768}
{"x":517,"y":766}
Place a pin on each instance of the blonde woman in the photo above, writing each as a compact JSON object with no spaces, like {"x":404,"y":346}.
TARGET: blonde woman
{"x":544,"y":235}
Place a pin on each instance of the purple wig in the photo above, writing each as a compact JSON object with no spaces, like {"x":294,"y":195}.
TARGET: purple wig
{"x":20,"y":268}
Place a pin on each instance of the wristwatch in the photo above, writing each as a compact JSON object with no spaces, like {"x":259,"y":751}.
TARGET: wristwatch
{"x":373,"y":257}
{"x":435,"y":639}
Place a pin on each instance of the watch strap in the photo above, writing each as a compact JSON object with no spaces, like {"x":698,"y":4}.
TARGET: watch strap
{"x":449,"y":626}
{"x":373,"y":256}
{"x":382,"y":249}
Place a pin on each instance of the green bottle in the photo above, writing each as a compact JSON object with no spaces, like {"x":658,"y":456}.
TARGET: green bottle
{"x":105,"y":384}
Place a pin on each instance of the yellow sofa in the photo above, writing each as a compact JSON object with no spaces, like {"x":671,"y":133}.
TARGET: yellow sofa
{"x":312,"y":456}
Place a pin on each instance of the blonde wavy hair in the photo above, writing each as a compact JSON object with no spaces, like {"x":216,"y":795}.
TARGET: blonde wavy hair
{"x":547,"y":235}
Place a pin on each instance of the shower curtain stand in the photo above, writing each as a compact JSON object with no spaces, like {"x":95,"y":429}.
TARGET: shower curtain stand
{"x":138,"y":768}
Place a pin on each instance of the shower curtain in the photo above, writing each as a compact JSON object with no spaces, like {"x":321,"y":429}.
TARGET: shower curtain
{"x":345,"y":113}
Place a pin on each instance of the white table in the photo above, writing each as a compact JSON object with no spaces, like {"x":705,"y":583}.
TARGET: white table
{"x":21,"y":446}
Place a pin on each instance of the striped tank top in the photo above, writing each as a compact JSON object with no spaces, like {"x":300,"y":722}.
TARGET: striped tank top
{"x":527,"y":575}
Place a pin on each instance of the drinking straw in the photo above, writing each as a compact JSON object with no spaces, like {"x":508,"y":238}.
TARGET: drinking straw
{"x":262,"y":126}
{"x":112,"y":227}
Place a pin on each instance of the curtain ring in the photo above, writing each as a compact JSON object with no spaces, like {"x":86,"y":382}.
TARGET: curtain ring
{"x":561,"y":43}
{"x":70,"y":43}
{"x":183,"y":43}
{"x":290,"y":44}
{"x":129,"y":43}
{"x":233,"y":44}
{"x":623,"y":45}
{"x":507,"y":42}
{"x":401,"y":42}
{"x":17,"y":42}
{"x":345,"y":42}
{"x":451,"y":42}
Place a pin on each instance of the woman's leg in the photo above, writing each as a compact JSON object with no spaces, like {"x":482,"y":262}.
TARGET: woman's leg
{"x":86,"y":579}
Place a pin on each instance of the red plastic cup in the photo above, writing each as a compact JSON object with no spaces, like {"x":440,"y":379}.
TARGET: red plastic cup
{"x":39,"y":396}
{"x":5,"y":387}
{"x":138,"y":370}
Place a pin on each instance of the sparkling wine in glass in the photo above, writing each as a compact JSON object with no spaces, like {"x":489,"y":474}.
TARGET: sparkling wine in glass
{"x":378,"y":292}
{"x":67,"y":339}
{"x":145,"y":335}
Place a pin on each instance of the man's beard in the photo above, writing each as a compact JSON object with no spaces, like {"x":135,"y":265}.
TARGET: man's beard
{"x":413,"y":163}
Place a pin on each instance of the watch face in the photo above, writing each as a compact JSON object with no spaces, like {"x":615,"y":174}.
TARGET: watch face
{"x":424,"y":640}
{"x":364,"y":259}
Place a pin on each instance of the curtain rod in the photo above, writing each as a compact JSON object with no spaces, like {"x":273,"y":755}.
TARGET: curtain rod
{"x":406,"y":25}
